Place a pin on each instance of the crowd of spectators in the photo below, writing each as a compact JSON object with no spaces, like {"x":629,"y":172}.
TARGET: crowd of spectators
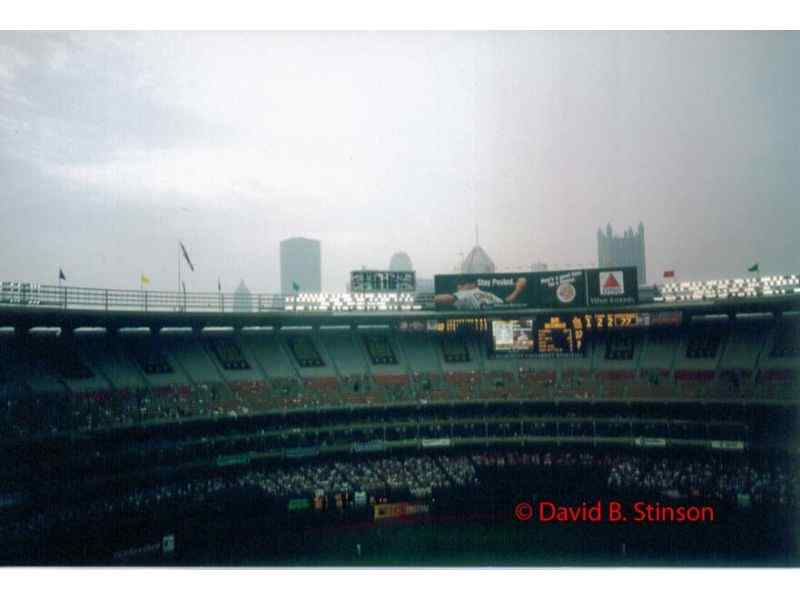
{"x":709,"y":477}
{"x":24,"y":412}
{"x":416,"y":474}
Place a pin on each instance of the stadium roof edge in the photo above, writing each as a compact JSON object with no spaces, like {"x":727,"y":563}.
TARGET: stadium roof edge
{"x":26,"y":317}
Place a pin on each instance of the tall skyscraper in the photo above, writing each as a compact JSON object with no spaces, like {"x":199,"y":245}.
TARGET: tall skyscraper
{"x":626,"y":250}
{"x":301,"y":266}
{"x":242,"y":298}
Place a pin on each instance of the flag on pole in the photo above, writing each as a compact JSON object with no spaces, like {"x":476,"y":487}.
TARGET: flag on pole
{"x":145,"y":279}
{"x":753,"y":269}
{"x":186,"y":256}
{"x":219,"y":285}
{"x":61,"y":276}
{"x":183,"y":285}
{"x":295,"y":286}
{"x":669,"y":274}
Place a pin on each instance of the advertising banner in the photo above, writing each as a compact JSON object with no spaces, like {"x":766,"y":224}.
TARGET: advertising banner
{"x":435,"y":442}
{"x":647,"y":442}
{"x":560,"y":289}
{"x":486,"y":291}
{"x":227,"y":460}
{"x":614,"y":286}
{"x":302,"y":452}
{"x":299,"y":504}
{"x":727,"y":445}
{"x":577,"y":288}
{"x":371,"y":446}
{"x":398,"y":510}
{"x":670,"y":318}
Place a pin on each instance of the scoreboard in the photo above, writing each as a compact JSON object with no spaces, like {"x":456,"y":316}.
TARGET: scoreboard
{"x":600,"y":321}
{"x":559,"y":336}
{"x":382,"y":281}
{"x":566,"y":334}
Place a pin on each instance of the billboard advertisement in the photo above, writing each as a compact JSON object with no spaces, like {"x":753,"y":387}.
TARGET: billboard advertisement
{"x":487,"y":291}
{"x":560,"y":289}
{"x":399,"y":510}
{"x":614,"y":286}
{"x":577,"y":288}
{"x":299,"y":504}
{"x":371,"y":446}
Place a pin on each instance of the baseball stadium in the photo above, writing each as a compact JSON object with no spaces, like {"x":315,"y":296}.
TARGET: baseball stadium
{"x":398,"y":428}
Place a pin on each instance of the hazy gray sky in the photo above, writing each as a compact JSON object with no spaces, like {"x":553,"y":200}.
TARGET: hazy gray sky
{"x":114,"y":146}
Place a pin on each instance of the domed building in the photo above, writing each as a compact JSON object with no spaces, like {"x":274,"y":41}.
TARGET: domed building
{"x":477,"y":261}
{"x":400,"y":261}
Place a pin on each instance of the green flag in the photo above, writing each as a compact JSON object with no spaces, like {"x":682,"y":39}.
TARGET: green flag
{"x":753,"y":269}
{"x":295,"y":287}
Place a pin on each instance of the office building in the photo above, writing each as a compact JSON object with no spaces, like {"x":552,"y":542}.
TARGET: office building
{"x":626,"y":250}
{"x":301,"y":266}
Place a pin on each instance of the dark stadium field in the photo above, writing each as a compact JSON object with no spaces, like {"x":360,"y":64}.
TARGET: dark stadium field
{"x":477,"y":542}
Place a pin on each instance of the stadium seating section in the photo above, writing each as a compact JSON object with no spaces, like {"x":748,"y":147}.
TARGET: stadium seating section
{"x":787,"y":341}
{"x":305,"y":352}
{"x":380,"y":350}
{"x":619,"y":347}
{"x":455,"y":350}
{"x":703,"y":344}
{"x":55,"y":386}
{"x":229,"y":355}
{"x":151,"y":359}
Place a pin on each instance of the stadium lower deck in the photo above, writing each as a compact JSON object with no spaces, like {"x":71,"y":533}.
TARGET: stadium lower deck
{"x":115,"y":439}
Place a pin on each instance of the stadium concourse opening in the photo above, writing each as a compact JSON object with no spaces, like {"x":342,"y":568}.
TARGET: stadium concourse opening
{"x":404,"y":437}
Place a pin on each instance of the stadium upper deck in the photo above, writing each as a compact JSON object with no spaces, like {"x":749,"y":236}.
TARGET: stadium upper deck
{"x":225,"y":363}
{"x":400,"y":396}
{"x":30,"y":305}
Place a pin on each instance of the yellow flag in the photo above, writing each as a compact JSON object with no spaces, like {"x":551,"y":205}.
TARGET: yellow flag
{"x":145,"y":279}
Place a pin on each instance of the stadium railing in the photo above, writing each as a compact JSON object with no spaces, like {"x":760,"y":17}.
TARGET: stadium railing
{"x":21,"y":294}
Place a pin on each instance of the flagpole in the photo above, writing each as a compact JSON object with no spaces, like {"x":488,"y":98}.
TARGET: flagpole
{"x":179,"y":275}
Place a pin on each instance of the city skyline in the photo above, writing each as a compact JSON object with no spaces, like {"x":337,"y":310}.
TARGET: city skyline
{"x":114,"y":147}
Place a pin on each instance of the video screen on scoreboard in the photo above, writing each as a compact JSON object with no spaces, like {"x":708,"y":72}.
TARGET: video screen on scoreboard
{"x":544,"y":335}
{"x":513,"y":336}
